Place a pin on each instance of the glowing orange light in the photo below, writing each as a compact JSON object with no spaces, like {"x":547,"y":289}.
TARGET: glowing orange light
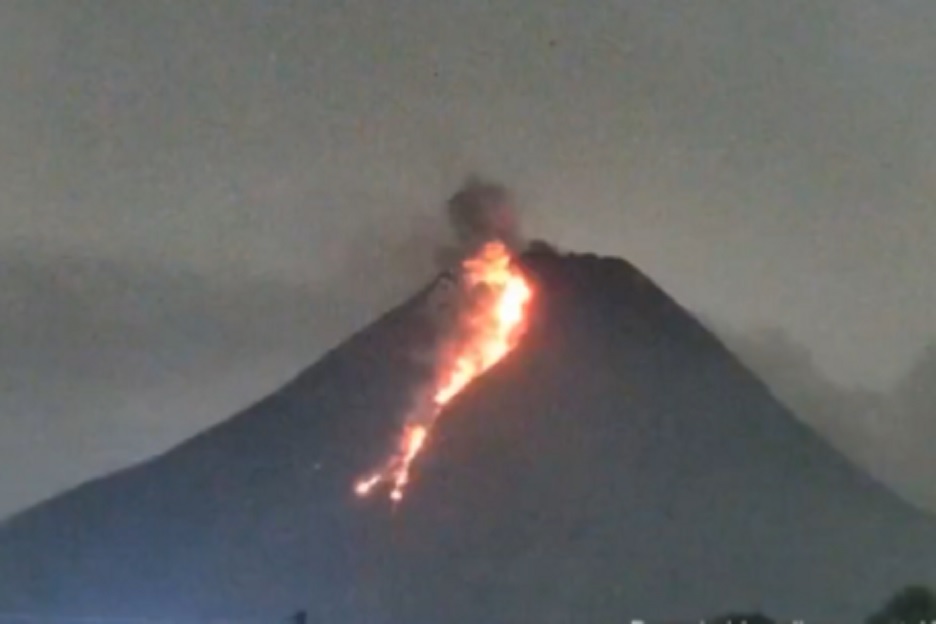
{"x":490,"y":326}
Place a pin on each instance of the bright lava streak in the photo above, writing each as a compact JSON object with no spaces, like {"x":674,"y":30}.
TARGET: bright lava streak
{"x":489,"y":325}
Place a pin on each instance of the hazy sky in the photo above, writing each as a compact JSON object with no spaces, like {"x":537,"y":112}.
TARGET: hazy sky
{"x":197,"y":198}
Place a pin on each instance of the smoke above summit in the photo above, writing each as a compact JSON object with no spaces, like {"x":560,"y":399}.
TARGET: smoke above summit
{"x":482,"y":211}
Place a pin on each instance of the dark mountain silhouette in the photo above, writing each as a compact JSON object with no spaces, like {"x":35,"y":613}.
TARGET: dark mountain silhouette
{"x":620,"y":463}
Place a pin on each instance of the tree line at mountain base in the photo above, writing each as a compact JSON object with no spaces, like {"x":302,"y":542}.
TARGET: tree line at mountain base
{"x":911,"y":605}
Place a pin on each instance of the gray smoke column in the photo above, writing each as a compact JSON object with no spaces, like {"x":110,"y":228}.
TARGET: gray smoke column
{"x":480,"y":211}
{"x":483,"y":211}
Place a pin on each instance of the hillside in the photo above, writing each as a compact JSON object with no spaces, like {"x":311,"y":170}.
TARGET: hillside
{"x":620,"y":463}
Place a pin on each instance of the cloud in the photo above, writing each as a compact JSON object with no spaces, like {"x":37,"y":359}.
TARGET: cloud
{"x":887,"y":432}
{"x":105,"y":361}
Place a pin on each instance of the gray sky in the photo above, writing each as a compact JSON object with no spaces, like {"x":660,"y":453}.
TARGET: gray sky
{"x":197,"y":198}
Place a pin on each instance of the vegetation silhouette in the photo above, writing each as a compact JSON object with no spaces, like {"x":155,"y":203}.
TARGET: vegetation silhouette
{"x":915,"y":604}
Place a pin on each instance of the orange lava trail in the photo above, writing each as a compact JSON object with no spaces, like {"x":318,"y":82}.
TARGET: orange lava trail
{"x":491,"y":324}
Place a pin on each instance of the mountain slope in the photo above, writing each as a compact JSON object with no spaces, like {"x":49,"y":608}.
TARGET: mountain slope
{"x":620,"y":463}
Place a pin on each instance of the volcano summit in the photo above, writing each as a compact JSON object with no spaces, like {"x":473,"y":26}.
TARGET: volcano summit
{"x":619,"y":463}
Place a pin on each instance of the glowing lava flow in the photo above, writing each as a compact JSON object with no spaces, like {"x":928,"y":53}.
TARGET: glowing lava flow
{"x":489,"y":325}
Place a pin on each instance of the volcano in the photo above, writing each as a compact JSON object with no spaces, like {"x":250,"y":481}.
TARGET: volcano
{"x":619,"y":463}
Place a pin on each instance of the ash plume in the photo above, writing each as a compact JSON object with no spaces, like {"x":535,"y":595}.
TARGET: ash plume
{"x":482,"y":211}
{"x":479,"y":212}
